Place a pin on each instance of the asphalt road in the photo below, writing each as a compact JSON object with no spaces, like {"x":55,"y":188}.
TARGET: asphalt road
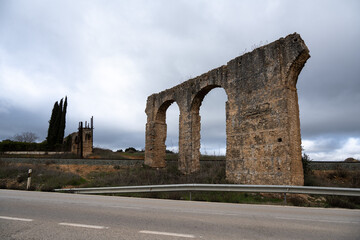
{"x":40,"y":215}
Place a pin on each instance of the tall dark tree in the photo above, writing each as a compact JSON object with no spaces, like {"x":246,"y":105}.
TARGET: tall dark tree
{"x":57,"y":129}
{"x":57,"y":124}
{"x":51,"y":138}
{"x":62,"y":122}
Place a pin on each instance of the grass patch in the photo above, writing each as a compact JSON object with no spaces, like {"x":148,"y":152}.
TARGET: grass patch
{"x":339,"y":177}
{"x":144,"y":175}
{"x":43,"y":178}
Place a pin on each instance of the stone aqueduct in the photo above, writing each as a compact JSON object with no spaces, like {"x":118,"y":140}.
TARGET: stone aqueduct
{"x":262,"y":116}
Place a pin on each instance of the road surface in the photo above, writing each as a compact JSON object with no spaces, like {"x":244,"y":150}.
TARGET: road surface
{"x":41,"y":215}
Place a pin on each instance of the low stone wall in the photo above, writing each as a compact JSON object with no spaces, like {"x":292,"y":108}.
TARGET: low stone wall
{"x":123,"y":162}
{"x":352,"y":166}
{"x":73,"y":161}
{"x":34,"y":153}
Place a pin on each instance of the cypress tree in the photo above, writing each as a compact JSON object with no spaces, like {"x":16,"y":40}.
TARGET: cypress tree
{"x":57,"y":124}
{"x":62,"y":122}
{"x":51,"y":138}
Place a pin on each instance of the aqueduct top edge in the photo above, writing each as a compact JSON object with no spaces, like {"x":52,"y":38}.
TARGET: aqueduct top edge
{"x":291,"y":48}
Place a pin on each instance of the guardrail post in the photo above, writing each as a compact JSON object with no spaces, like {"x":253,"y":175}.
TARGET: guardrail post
{"x":190,"y":195}
{"x":285,"y":198}
{"x":29,"y":179}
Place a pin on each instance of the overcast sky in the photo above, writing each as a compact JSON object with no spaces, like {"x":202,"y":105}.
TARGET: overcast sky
{"x":107,"y":57}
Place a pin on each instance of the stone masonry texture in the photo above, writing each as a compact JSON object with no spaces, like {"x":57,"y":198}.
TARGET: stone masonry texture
{"x":87,"y":138}
{"x":263,"y":142}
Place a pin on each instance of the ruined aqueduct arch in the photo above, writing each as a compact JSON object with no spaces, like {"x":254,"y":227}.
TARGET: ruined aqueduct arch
{"x":262,"y":116}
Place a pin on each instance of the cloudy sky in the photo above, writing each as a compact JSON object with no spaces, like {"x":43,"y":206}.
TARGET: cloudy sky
{"x":108,"y":56}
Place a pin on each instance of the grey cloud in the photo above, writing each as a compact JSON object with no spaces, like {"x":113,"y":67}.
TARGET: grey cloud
{"x":108,"y":138}
{"x":16,"y":121}
{"x":330,"y":143}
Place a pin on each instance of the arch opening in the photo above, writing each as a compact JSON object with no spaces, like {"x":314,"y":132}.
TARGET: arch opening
{"x":161,"y":113}
{"x":198,"y":99}
{"x":172,"y":122}
{"x":213,"y":124}
{"x":196,"y":120}
{"x":155,"y":155}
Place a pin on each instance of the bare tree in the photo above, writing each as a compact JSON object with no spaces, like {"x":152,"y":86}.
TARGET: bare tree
{"x":25,"y":137}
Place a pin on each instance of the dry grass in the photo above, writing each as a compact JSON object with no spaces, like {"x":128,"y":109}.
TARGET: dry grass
{"x":49,"y":176}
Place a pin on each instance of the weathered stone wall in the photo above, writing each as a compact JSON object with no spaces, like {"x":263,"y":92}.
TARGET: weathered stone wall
{"x":87,"y":141}
{"x":262,"y":115}
{"x":84,"y":147}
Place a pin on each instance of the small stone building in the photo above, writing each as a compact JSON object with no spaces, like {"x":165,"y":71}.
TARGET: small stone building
{"x":82,"y":140}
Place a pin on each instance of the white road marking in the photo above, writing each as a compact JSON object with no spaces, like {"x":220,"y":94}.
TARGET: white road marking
{"x":17,"y":219}
{"x":136,"y":208}
{"x":317,"y":220}
{"x":168,"y":234}
{"x":83,"y":225}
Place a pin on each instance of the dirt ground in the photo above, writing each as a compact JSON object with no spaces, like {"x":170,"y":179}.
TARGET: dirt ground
{"x":83,"y":170}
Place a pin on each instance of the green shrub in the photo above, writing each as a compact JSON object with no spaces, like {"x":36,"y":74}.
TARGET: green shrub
{"x":131,"y":150}
{"x":51,"y":180}
{"x":116,"y":167}
{"x":340,"y":201}
{"x":76,"y":181}
{"x":8,"y":145}
{"x":306,"y":163}
{"x":355,"y":180}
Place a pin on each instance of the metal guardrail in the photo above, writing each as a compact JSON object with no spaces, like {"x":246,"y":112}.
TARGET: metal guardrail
{"x":218,"y":188}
